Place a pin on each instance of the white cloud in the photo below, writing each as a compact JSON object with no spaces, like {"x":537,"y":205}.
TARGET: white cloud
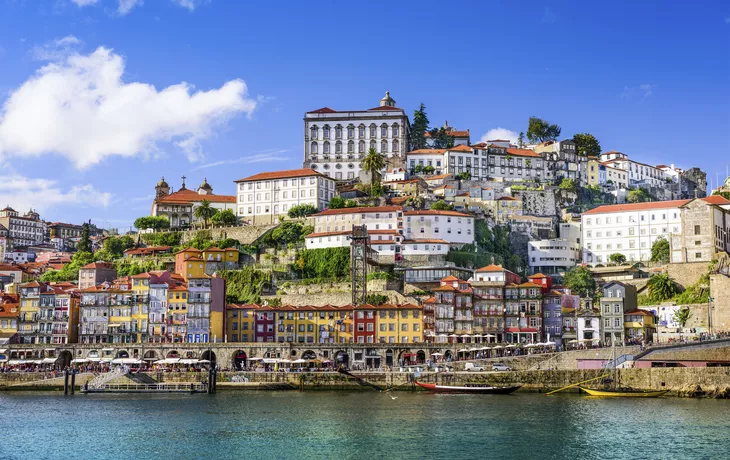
{"x":548,"y":17}
{"x":267,"y":155}
{"x":189,"y":4}
{"x":82,"y":3}
{"x":23,"y":193}
{"x":81,"y":108}
{"x":642,"y":92}
{"x":125,"y":6}
{"x":57,"y":49}
{"x":727,"y":20}
{"x":500,"y":133}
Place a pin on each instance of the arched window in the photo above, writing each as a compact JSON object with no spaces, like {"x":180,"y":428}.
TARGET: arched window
{"x":350,"y":147}
{"x":326,"y":132}
{"x":395,"y":130}
{"x":326,"y":149}
{"x":383,"y":130}
{"x":372,"y":145}
{"x":338,"y":147}
{"x":373,"y":129}
{"x":361,"y":146}
{"x":351,"y":132}
{"x":313,"y":132}
{"x":384,"y":147}
{"x":361,"y":131}
{"x":396,"y":146}
{"x":338,"y":132}
{"x":313,"y":149}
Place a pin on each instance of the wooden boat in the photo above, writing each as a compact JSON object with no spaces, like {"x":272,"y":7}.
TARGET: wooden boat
{"x":621,"y":393}
{"x":468,"y":388}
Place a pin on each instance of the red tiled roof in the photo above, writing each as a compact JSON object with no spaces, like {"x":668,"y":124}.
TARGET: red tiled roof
{"x":359,"y":210}
{"x":716,"y":199}
{"x":637,"y":206}
{"x":303,"y":172}
{"x":403,"y":181}
{"x":523,"y":153}
{"x":191,"y":196}
{"x":450,"y":278}
{"x":460,"y":148}
{"x":507,"y":198}
{"x":639,"y":312}
{"x":190,"y":249}
{"x":536,"y":275}
{"x":324,"y":110}
{"x":431,"y":212}
{"x":530,"y":285}
{"x":95,"y":265}
{"x":8,"y":267}
{"x":427,"y":152}
{"x":321,"y":234}
{"x":436,"y":177}
{"x":491,"y":268}
{"x":426,"y":241}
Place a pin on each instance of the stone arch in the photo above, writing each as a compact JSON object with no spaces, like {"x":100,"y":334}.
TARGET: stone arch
{"x":388,"y":357}
{"x":92,"y":354}
{"x":240,"y":359}
{"x":420,"y":356}
{"x":309,"y":355}
{"x":210,"y":356}
{"x":122,"y":354}
{"x":404,"y":356}
{"x":64,"y":359}
{"x":448,"y":355}
{"x":172,"y":354}
{"x":150,"y":356}
{"x":341,"y":358}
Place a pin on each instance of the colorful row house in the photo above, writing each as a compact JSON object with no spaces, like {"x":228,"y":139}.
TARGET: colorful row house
{"x":324,"y":324}
{"x":49,"y":313}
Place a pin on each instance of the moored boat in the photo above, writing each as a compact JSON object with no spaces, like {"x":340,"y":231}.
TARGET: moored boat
{"x":468,"y":388}
{"x":627,"y":393}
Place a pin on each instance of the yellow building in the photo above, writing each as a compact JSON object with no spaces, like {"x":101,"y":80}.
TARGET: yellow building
{"x":240,"y":320}
{"x":9,"y":310}
{"x":189,"y":262}
{"x":399,"y":323}
{"x":140,"y":307}
{"x":29,"y":309}
{"x":639,"y":325}
{"x":593,"y":171}
{"x":177,"y":312}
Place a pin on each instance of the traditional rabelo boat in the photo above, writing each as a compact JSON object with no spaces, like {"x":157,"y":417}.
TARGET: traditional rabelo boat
{"x":468,"y":388}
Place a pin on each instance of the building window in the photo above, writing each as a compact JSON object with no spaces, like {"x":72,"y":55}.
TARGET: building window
{"x":384,"y":147}
{"x":698,"y":230}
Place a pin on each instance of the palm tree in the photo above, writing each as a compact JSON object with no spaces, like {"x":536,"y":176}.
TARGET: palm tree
{"x":374,"y":163}
{"x":205,"y":211}
{"x":661,"y":287}
{"x":682,"y":316}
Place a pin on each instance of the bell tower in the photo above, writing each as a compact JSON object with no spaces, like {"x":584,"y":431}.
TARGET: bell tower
{"x":162,"y":189}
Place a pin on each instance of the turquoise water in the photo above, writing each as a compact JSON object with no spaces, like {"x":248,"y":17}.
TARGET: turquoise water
{"x":318,"y":425}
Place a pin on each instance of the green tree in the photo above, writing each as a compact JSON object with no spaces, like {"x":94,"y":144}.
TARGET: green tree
{"x":373,"y":163}
{"x":617,"y":258}
{"x":301,"y":210}
{"x":569,"y":185}
{"x":682,"y":316}
{"x":70,"y":271}
{"x":350,"y":204}
{"x":204,"y":211}
{"x":224,"y":218}
{"x":419,"y":127}
{"x":336,"y":202}
{"x":418,"y":169}
{"x":587,"y":145}
{"x":638,"y":196}
{"x":416,"y":202}
{"x":441,"y":205}
{"x":429,"y":169}
{"x":85,"y":243}
{"x":521,"y":139}
{"x":466,"y":175}
{"x":661,"y":287}
{"x":154,"y":222}
{"x":539,"y":130}
{"x":581,"y":282}
{"x":660,"y":251}
{"x":441,"y":138}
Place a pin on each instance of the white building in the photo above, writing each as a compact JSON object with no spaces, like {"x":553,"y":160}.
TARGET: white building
{"x":695,"y":231}
{"x":639,"y":173}
{"x":179,"y":207}
{"x":263,"y":197}
{"x":26,"y":230}
{"x":460,"y":137}
{"x":454,"y":227}
{"x":335,"y":141}
{"x":553,"y":256}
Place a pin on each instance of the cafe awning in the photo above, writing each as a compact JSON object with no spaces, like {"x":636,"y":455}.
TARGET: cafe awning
{"x":48,"y":360}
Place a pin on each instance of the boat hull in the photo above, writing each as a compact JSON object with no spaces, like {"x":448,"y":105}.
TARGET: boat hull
{"x":467,"y":389}
{"x":624,"y":394}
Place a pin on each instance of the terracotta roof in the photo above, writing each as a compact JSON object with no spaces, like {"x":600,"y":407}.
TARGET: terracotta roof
{"x":446,"y":287}
{"x":303,"y":172}
{"x":376,"y":242}
{"x":359,"y":210}
{"x":403,"y":181}
{"x":9,"y":268}
{"x":324,"y":110}
{"x":507,"y":198}
{"x":491,"y":268}
{"x":716,"y":199}
{"x":523,"y":153}
{"x":427,"y":152}
{"x":383,"y":232}
{"x":436,"y":177}
{"x":191,"y":196}
{"x":450,"y":278}
{"x":637,"y":206}
{"x":431,"y":212}
{"x":530,"y":285}
{"x":189,"y":249}
{"x":639,"y":312}
{"x":95,"y":265}
{"x":397,"y":200}
{"x":460,"y":148}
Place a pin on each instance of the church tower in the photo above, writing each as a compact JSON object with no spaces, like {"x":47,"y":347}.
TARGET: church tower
{"x":387,"y":101}
{"x":205,"y":188}
{"x":161,"y":189}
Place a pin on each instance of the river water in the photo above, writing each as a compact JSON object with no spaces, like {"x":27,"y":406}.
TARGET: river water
{"x":348,"y":425}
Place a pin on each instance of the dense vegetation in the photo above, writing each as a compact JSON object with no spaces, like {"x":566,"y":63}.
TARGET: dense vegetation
{"x":245,"y":285}
{"x":286,"y":233}
{"x":490,"y":246}
{"x":581,"y":282}
{"x":162,"y":239}
{"x":324,"y":264}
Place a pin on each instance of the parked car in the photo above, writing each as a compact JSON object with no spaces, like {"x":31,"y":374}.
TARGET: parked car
{"x":471,"y":367}
{"x":501,"y":367}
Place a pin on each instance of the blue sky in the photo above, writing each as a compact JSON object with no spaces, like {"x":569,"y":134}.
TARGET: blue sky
{"x":93,"y":110}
